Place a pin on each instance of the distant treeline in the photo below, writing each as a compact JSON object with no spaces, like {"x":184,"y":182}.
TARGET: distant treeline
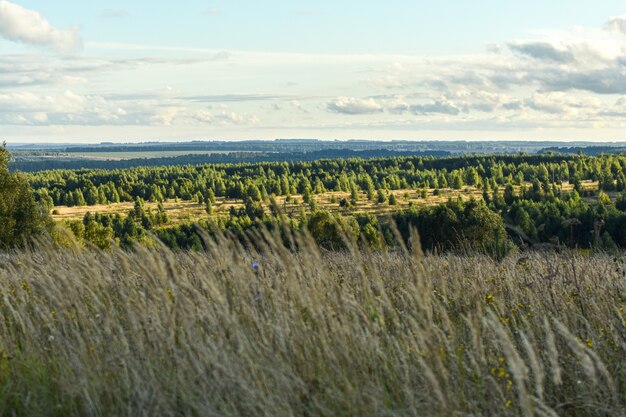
{"x":457,"y":147}
{"x":45,"y":164}
{"x":310,"y":145}
{"x":589,"y":150}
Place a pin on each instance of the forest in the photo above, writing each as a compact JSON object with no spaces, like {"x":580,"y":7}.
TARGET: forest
{"x":34,"y":161}
{"x":490,"y":203}
{"x":39,"y":157}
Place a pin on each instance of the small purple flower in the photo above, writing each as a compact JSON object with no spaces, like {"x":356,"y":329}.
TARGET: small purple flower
{"x":255,"y":266}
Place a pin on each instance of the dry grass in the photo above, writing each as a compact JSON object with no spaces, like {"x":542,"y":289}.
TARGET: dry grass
{"x":183,"y":211}
{"x":310,"y":333}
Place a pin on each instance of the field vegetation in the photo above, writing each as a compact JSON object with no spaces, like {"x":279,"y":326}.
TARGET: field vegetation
{"x":308,"y":292}
{"x":269,"y":329}
{"x":181,"y":211}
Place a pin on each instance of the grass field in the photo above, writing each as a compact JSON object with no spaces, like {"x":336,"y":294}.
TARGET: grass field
{"x":183,"y":211}
{"x":186,"y":211}
{"x":310,"y":333}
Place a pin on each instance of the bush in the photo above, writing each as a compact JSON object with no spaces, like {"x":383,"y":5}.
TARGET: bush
{"x":456,"y":225}
{"x":330,"y":231}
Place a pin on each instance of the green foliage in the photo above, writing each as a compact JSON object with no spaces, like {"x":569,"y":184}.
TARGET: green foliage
{"x":253,"y":193}
{"x":381,"y":198}
{"x":509,"y":194}
{"x":21,"y":217}
{"x":97,"y":234}
{"x":529,"y":193}
{"x":330,"y":231}
{"x":604,"y":199}
{"x":457,"y":226}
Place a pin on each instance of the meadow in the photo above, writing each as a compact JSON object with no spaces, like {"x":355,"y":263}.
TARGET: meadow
{"x":181,"y":211}
{"x":273,"y":329}
{"x":184,"y":211}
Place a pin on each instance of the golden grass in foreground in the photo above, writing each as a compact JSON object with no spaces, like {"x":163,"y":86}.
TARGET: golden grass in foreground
{"x":313,"y":333}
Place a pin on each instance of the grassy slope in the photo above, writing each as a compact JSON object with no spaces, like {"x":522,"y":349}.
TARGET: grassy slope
{"x":313,"y":333}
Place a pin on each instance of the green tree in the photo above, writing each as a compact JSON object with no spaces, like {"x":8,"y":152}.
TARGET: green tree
{"x":98,"y":234}
{"x":457,"y":181}
{"x":21,"y":218}
{"x":79,"y":198}
{"x":210,"y":196}
{"x":509,"y":194}
{"x":381,"y":197}
{"x":253,"y":193}
{"x":354,"y":194}
{"x":306,"y":196}
{"x":330,"y":231}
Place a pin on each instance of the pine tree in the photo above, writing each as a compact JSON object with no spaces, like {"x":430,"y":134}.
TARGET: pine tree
{"x":381,"y":198}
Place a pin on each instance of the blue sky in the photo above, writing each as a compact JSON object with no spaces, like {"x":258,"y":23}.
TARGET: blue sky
{"x":339,"y":26}
{"x":227,"y":69}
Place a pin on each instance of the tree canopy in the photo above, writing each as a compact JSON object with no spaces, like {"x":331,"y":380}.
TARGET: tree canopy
{"x":21,"y":217}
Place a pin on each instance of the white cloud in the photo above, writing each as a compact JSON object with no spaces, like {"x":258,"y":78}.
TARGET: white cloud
{"x":164,"y":117}
{"x":27,"y":101}
{"x":72,"y":109}
{"x":560,"y":79}
{"x":439,"y":106}
{"x":223,"y":118}
{"x":214,"y":11}
{"x":388,"y":82}
{"x":229,"y":117}
{"x":543,"y":51}
{"x":354,"y":106}
{"x":297,"y":105}
{"x":28,"y":26}
{"x":564,"y":105}
{"x":617,"y":23}
{"x":397,"y":105}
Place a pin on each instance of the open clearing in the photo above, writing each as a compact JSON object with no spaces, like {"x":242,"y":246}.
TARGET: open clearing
{"x":185,"y":211}
{"x":182,"y":211}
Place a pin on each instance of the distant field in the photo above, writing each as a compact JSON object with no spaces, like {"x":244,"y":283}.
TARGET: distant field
{"x":185,"y":211}
{"x":182,"y":211}
{"x":121,"y":156}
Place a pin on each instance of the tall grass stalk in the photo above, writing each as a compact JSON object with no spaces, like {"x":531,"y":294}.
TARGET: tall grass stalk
{"x":309,"y":333}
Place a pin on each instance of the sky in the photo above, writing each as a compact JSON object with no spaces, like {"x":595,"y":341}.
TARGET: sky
{"x":137,"y":70}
